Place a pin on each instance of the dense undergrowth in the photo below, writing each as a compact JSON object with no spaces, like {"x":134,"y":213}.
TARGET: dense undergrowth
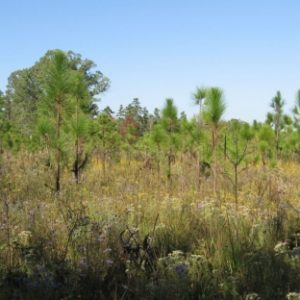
{"x":132,"y":234}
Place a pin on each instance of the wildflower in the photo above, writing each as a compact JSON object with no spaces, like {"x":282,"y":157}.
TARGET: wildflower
{"x":181,"y":269}
{"x":252,"y":296}
{"x":201,"y":206}
{"x":281,"y":248}
{"x":109,"y":262}
{"x":25,"y":237}
{"x":107,"y":250}
{"x":197,"y":257}
{"x":176,"y":253}
{"x":84,"y":204}
{"x":293,"y":296}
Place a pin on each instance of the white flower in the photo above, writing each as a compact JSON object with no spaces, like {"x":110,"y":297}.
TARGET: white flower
{"x":252,"y":296}
{"x":281,"y":248}
{"x":293,"y":296}
{"x":25,"y":237}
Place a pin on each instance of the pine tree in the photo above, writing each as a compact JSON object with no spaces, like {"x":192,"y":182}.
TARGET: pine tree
{"x":277,"y":119}
{"x":199,"y":97}
{"x":54,"y":110}
{"x":106,"y":138}
{"x":237,"y":148}
{"x":79,"y":123}
{"x":170,"y":124}
{"x":214,"y":108}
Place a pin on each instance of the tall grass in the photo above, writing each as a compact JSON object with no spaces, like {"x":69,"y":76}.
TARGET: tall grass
{"x":129,"y":235}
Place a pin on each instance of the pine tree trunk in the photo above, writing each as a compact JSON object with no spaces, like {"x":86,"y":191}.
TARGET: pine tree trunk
{"x":76,"y":167}
{"x":236,"y":184}
{"x":169,"y":175}
{"x":58,"y":150}
{"x":57,"y":175}
{"x":199,"y":173}
{"x":169,"y":166}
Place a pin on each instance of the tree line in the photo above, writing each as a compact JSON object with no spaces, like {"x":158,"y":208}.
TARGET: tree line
{"x":51,"y":108}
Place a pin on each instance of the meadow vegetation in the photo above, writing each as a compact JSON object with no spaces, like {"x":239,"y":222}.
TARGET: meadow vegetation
{"x":134,"y":205}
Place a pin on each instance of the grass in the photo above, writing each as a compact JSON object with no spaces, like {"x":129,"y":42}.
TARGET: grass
{"x":133,"y":235}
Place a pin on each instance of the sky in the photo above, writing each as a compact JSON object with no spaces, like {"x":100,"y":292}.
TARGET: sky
{"x":158,"y":49}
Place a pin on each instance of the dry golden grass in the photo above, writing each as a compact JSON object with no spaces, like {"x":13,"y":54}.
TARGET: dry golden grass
{"x":73,"y":242}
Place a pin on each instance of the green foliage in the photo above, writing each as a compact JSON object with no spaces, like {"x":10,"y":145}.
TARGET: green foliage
{"x":266,"y":134}
{"x":162,"y":205}
{"x":106,"y":137}
{"x":158,"y":135}
{"x":266,"y":137}
{"x":277,"y":119}
{"x":26,"y":88}
{"x":296,"y":111}
{"x":169,"y":117}
{"x":199,"y":95}
{"x":170,"y":124}
{"x":237,"y":149}
{"x":55,"y":110}
{"x":134,"y":119}
{"x":214,"y":106}
{"x":8,"y":136}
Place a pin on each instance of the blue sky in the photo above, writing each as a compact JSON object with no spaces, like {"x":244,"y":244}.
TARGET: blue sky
{"x":165,"y":48}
